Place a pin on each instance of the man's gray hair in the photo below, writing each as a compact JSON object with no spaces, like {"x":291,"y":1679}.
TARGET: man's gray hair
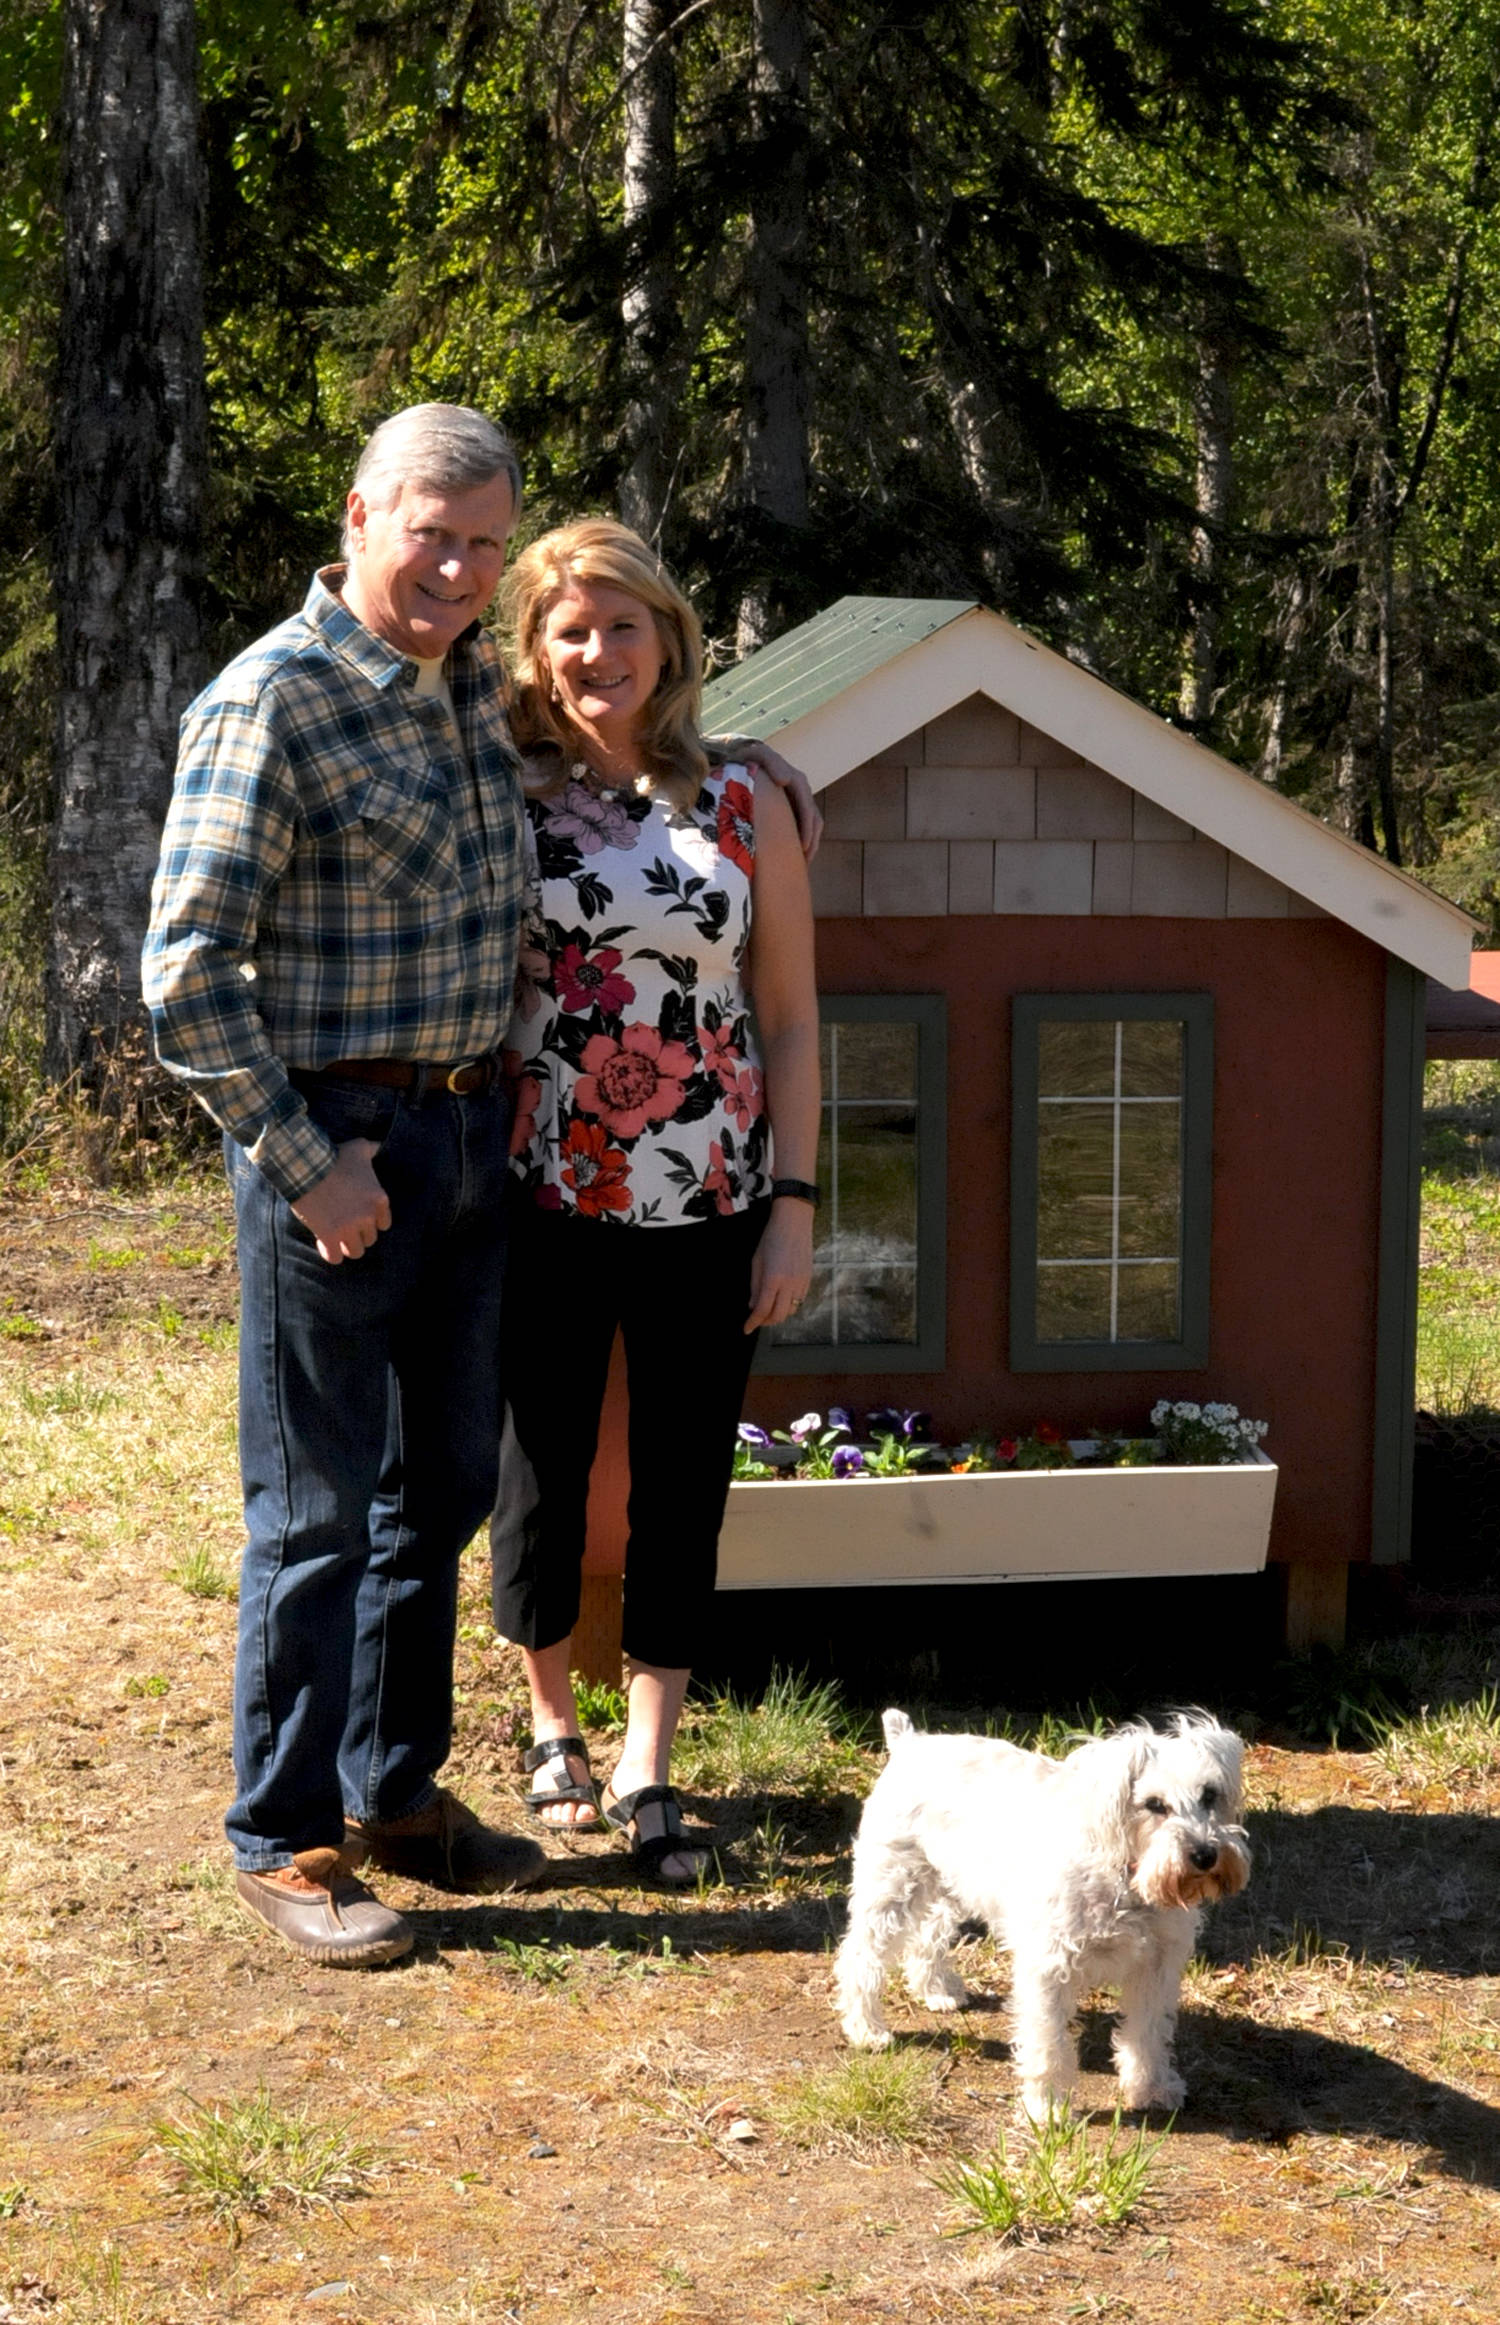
{"x":436,"y":448}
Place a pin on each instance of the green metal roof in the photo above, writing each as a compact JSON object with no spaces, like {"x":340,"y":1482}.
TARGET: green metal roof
{"x":816,"y":661}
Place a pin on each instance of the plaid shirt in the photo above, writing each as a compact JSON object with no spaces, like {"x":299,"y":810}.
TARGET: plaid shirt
{"x":335,"y":881}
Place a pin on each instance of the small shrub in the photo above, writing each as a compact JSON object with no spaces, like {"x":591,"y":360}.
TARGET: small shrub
{"x":538,"y":1965}
{"x":250,"y":2155}
{"x":12,"y":2199}
{"x":870,"y":2100}
{"x":199,"y":1573}
{"x":1052,"y":2178}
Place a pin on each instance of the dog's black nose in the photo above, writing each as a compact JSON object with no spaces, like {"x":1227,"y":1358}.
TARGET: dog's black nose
{"x":1204,"y":1857}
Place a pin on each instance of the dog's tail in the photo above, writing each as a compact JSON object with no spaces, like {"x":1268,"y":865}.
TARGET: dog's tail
{"x":896,"y":1726}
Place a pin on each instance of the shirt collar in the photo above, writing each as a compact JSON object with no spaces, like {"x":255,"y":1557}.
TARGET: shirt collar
{"x":325,"y":611}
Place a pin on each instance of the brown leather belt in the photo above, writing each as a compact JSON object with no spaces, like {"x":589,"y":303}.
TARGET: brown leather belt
{"x":465,"y":1080}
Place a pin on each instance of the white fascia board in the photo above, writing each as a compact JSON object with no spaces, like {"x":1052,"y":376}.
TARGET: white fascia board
{"x":981,"y":653}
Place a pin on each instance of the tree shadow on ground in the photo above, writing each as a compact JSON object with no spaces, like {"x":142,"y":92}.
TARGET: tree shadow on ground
{"x":1382,"y":1885}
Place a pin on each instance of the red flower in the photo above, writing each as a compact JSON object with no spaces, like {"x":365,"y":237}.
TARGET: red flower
{"x":742,"y":1096}
{"x":719,"y":1053}
{"x":737,"y":825}
{"x":1047,"y":1433}
{"x":718,"y":1182}
{"x":1007,"y":1449}
{"x":587,"y":980}
{"x":632,"y":1081}
{"x":597,"y":1172}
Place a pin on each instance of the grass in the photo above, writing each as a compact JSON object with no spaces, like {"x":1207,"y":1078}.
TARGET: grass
{"x":1053,"y":2177}
{"x":1457,"y":1741}
{"x":600,"y":1707}
{"x":871,"y":2101}
{"x":250,"y":2156}
{"x":792,"y":1740}
{"x":199,"y":1573}
{"x":538,"y":1965}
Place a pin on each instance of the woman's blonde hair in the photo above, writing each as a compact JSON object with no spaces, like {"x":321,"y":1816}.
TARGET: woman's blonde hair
{"x":599,"y":550}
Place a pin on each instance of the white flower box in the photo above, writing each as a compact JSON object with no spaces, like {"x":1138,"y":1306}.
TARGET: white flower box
{"x":999,"y":1526}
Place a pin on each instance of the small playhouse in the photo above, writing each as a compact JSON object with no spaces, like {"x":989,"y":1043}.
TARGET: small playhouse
{"x":1122,"y":1101}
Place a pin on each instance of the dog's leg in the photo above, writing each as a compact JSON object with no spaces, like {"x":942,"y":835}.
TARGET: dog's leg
{"x":930,"y":1977}
{"x":893,"y":1885}
{"x":1148,"y":2016}
{"x":1042,"y":2000}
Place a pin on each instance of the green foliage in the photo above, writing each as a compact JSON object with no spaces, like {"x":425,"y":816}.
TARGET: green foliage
{"x":788,"y":1740}
{"x":1053,"y":2177}
{"x":599,"y":1706}
{"x":200,"y":1574}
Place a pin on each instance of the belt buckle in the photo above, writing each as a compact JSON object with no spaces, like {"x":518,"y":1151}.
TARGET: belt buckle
{"x":455,"y":1081}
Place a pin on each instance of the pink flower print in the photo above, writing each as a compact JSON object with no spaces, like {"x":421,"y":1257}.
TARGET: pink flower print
{"x":632,"y":1081}
{"x":526,"y":1096}
{"x":717,"y":1181}
{"x":719,"y":1053}
{"x":743,"y":1096}
{"x":591,"y":823}
{"x":588,"y":981}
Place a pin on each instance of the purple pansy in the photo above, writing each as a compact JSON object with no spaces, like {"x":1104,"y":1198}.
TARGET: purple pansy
{"x":805,"y":1427}
{"x":839,"y":1417}
{"x":751,"y":1435}
{"x":848,"y":1461}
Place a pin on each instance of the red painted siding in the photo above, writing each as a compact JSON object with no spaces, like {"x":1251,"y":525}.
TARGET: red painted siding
{"x":1298,"y":1036}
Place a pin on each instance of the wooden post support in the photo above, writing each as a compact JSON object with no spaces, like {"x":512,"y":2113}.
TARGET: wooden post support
{"x":596,"y":1636}
{"x":1317,"y":1600}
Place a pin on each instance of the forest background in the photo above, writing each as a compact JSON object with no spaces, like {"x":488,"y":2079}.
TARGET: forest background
{"x":1171,"y":329}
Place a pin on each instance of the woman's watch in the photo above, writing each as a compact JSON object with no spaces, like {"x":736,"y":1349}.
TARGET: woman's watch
{"x":802,"y":1190}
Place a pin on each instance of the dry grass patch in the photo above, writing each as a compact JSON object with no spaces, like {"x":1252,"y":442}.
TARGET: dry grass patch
{"x":872,"y":2102}
{"x":252,"y":2156}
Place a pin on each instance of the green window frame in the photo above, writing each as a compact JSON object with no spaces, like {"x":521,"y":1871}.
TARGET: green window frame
{"x":928,"y":1103}
{"x":1035,"y":1113}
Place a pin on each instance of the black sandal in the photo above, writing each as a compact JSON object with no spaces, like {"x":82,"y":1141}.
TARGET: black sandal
{"x":620,"y":1810}
{"x":585,"y":1794}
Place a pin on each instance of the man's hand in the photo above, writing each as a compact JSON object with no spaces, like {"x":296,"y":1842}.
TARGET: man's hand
{"x":348,"y":1209}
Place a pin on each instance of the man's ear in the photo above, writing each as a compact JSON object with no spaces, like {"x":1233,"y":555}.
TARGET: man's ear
{"x":355,"y":505}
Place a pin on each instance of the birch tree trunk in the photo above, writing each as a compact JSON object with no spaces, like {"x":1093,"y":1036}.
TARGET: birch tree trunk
{"x":650,"y":310}
{"x":1213,"y":428}
{"x":131,"y":452}
{"x":778,"y":387}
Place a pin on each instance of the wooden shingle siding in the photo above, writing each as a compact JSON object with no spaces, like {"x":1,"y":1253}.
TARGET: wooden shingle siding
{"x":978,"y":812}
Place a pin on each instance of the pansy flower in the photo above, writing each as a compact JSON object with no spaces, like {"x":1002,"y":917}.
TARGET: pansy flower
{"x":632,"y":1081}
{"x":848,"y":1461}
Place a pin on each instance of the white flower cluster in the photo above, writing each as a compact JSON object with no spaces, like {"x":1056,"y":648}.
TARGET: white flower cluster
{"x":1223,"y":1420}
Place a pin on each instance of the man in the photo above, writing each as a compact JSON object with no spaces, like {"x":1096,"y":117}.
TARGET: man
{"x":329,"y":966}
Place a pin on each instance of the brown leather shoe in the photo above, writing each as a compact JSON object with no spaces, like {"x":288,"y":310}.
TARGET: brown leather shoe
{"x":445,"y":1845}
{"x":321,"y":1911}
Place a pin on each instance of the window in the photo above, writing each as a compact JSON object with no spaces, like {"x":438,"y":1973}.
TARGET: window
{"x":1110,"y":1186}
{"x":879,"y":1253}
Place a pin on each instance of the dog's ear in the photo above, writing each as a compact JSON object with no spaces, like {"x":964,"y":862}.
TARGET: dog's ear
{"x":1105,"y":1771}
{"x":896,"y":1726}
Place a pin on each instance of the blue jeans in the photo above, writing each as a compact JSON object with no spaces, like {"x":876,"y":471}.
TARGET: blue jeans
{"x":369,"y":1434}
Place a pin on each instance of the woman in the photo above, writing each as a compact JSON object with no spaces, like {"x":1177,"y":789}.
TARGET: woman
{"x":665,"y":1156}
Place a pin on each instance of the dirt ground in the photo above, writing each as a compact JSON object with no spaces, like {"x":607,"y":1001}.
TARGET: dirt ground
{"x":576,"y":2105}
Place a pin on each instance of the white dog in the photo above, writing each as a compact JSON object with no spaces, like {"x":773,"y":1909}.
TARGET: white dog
{"x":1093,"y":1871}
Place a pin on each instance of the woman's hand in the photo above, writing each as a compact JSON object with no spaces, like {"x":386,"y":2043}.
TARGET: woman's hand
{"x":799,"y":792}
{"x":782,"y":1267}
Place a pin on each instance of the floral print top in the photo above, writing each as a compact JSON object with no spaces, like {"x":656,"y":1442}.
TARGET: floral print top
{"x":639,"y":1092}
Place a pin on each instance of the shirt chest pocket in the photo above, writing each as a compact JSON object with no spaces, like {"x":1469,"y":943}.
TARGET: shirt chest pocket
{"x":410,"y":848}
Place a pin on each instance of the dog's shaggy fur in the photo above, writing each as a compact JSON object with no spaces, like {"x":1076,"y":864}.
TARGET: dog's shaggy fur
{"x":1093,"y":1871}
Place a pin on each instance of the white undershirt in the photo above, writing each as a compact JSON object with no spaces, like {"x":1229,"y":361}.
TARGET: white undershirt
{"x":430,"y":680}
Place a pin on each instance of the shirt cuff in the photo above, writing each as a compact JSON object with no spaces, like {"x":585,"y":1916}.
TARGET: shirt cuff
{"x":294,"y":1154}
